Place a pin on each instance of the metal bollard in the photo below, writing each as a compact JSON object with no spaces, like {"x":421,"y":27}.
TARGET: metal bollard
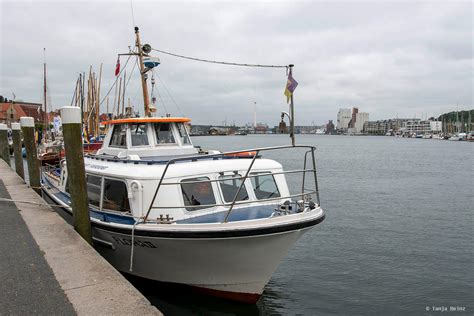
{"x":72,"y":132}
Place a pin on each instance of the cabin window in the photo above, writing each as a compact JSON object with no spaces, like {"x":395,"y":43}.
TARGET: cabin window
{"x":138,"y":134}
{"x":183,"y":134}
{"x":119,"y":136}
{"x":230,"y":185}
{"x":197,"y":192}
{"x":115,"y":196}
{"x":164,"y":133}
{"x":94,"y":185}
{"x":264,"y":186}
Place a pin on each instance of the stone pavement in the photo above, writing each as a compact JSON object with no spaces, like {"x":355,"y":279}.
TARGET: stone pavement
{"x":28,"y":285}
{"x":47,"y":268}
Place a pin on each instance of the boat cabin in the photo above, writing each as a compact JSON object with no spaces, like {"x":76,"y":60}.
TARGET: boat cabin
{"x":136,"y":138}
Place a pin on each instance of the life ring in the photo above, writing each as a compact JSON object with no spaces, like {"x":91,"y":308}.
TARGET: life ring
{"x":242,"y":154}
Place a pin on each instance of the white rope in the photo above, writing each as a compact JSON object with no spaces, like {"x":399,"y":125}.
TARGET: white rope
{"x":133,"y":245}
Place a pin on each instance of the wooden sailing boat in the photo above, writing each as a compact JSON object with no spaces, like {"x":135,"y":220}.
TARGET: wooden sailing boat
{"x":49,"y":151}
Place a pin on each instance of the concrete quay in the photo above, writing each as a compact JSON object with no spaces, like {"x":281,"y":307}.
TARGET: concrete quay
{"x":47,"y":268}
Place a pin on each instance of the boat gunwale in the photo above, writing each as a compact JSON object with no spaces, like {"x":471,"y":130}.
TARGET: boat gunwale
{"x":205,"y":230}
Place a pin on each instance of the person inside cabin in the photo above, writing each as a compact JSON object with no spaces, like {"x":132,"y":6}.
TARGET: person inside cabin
{"x":197,"y":193}
{"x":200,"y":193}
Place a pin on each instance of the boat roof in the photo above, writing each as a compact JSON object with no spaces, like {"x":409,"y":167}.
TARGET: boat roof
{"x":149,"y":120}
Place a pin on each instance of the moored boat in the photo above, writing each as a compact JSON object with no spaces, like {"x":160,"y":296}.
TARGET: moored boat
{"x":162,"y":209}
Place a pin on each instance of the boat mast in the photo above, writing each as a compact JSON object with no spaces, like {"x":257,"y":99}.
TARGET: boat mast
{"x":45,"y":131}
{"x":146,"y":101}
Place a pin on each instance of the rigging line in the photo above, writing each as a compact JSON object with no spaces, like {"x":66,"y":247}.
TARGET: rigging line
{"x":219,"y":62}
{"x":162,"y":100}
{"x":115,"y":82}
{"x":75,"y":91}
{"x":131,"y":73}
{"x":133,"y":15}
{"x":108,"y":92}
{"x":171,"y":96}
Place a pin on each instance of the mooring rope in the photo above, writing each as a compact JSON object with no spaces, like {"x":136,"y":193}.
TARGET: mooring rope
{"x":29,"y":202}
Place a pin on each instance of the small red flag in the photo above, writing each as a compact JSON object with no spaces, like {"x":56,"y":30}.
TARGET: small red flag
{"x":117,"y":67}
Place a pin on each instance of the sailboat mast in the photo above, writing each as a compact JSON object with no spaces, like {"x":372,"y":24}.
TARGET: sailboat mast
{"x":146,"y":101}
{"x":44,"y":96}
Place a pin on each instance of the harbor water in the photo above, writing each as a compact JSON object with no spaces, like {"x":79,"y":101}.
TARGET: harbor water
{"x":397,"y":239}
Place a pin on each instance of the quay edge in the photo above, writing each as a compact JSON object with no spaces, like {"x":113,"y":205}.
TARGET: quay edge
{"x":90,"y":283}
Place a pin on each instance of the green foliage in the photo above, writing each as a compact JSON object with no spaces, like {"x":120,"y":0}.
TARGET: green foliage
{"x":462,"y":116}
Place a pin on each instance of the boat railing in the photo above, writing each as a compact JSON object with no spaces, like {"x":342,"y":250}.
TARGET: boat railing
{"x":50,"y":169}
{"x":256,"y":154}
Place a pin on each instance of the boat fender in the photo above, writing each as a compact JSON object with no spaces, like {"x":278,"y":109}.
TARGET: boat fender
{"x":243,"y":154}
{"x":136,"y":186}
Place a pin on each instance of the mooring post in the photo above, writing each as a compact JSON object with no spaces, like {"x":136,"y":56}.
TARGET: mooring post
{"x":16,"y":133}
{"x":4,"y":150}
{"x":72,"y":132}
{"x":28,"y":130}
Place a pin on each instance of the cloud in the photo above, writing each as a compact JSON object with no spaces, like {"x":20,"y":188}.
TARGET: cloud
{"x":389,"y":59}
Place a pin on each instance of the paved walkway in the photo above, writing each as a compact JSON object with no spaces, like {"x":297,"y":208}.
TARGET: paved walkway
{"x":47,"y":268}
{"x":28,"y":285}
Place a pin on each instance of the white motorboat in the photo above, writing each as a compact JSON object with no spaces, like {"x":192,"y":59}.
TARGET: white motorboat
{"x":164,"y":210}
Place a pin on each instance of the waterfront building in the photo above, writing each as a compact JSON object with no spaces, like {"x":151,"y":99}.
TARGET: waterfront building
{"x":343,"y":119}
{"x":11,"y":112}
{"x":436,"y":126}
{"x":305,"y":129}
{"x":330,"y":128}
{"x":353,"y":117}
{"x":261,"y":128}
{"x":417,"y":126}
{"x":282,"y":128}
{"x":360,"y":119}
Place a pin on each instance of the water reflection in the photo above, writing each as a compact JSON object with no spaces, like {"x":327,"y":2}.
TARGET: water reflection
{"x":174,"y":299}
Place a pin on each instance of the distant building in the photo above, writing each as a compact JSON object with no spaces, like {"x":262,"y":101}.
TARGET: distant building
{"x":353,"y":117}
{"x":282,"y":129}
{"x":261,"y":128}
{"x":330,"y":129}
{"x":360,"y":119}
{"x":12,"y":111}
{"x":436,"y":126}
{"x":384,"y":127}
{"x":305,"y":129}
{"x":343,"y":119}
{"x":417,"y":126}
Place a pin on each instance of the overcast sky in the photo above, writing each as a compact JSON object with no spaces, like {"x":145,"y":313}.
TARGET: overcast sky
{"x":390,"y":59}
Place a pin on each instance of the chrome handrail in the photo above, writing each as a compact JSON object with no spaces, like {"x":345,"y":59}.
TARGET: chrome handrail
{"x":257,"y":150}
{"x":239,"y":178}
{"x":244,"y":202}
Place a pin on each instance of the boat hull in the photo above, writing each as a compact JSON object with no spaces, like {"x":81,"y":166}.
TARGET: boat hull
{"x":234,"y":266}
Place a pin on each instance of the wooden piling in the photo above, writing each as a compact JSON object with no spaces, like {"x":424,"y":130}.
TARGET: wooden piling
{"x":28,"y":130}
{"x":4,"y":150}
{"x":16,"y":132}
{"x":72,"y":132}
